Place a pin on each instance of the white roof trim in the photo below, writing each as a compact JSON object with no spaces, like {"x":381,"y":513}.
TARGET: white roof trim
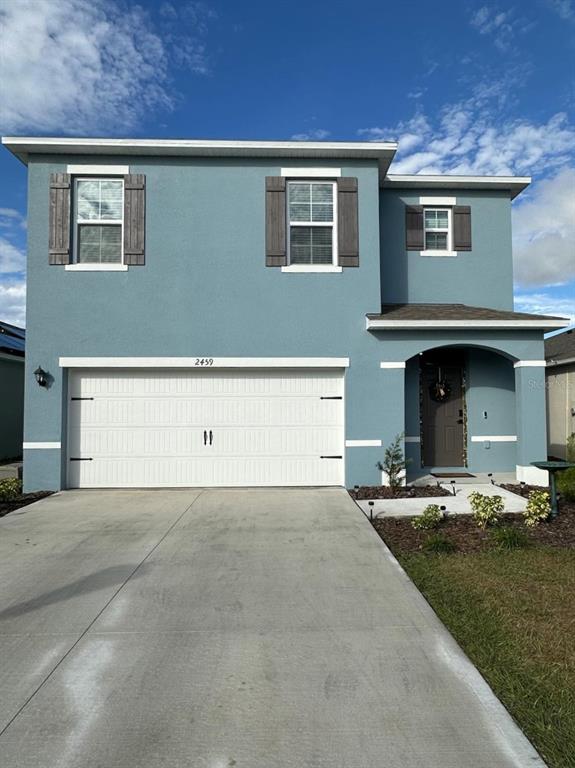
{"x":515,"y":184}
{"x":372,"y":324}
{"x":201,"y":363}
{"x":382,"y":151}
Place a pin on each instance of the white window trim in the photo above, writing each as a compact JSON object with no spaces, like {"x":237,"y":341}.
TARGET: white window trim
{"x":98,"y":170}
{"x":85,"y":267}
{"x":437,"y":202}
{"x":439,"y":230}
{"x":113,"y":266}
{"x":332,"y":224}
{"x":333,"y":268}
{"x":311,"y":173}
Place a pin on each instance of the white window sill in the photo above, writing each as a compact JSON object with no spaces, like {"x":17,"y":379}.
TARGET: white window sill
{"x":96,"y":267}
{"x":312,"y":268}
{"x":438,"y":253}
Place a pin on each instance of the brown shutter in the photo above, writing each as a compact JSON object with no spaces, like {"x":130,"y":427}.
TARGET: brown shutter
{"x":461,"y":228}
{"x":134,"y":219}
{"x":347,"y":223}
{"x":414,"y":227}
{"x":59,"y":234}
{"x":276,"y":249}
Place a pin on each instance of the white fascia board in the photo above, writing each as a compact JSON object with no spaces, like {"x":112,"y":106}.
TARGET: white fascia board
{"x":104,"y":169}
{"x":382,"y":151}
{"x":311,"y":173}
{"x":428,"y":325}
{"x":515,"y":184}
{"x":202,"y":363}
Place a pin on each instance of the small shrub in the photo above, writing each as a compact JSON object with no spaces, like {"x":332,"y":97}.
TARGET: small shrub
{"x":10,"y":489}
{"x":429,"y":518}
{"x":394,"y":463}
{"x":486,"y":509}
{"x":508,"y":537}
{"x":538,"y":508}
{"x":438,"y":544}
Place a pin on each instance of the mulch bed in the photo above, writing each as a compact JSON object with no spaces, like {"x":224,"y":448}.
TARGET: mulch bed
{"x":22,"y":501}
{"x":402,"y":538}
{"x":405,"y":492}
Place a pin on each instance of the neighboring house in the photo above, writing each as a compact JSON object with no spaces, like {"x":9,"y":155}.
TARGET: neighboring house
{"x":228,"y":313}
{"x":12,"y":343}
{"x":560,"y":356}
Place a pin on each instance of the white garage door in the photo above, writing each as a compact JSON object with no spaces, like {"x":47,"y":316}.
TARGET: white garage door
{"x":168,"y":428}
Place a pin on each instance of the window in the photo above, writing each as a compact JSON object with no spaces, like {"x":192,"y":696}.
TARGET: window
{"x":312,"y":215}
{"x":99,"y":221}
{"x":437,"y":229}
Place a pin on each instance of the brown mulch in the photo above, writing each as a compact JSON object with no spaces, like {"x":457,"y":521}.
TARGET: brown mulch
{"x":402,"y":538}
{"x":22,"y":501}
{"x":405,"y":492}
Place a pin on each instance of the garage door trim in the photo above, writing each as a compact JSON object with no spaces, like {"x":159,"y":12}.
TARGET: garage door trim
{"x":202,"y":362}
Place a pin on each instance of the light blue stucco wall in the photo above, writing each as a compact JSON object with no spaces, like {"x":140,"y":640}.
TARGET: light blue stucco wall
{"x":205,"y":291}
{"x":482,"y":277}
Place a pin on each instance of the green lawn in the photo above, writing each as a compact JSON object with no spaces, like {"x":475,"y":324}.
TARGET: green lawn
{"x":514,"y":615}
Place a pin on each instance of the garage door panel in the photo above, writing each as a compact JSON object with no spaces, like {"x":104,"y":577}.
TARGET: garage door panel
{"x":144,"y":428}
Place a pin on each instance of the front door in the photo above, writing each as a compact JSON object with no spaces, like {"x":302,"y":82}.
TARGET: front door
{"x":442,"y":409}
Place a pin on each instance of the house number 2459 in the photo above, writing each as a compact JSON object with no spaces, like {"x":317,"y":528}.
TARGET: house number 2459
{"x":203,"y":361}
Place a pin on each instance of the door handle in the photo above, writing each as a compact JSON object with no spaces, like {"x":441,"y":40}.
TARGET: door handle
{"x":211,"y":436}
{"x":205,"y":437}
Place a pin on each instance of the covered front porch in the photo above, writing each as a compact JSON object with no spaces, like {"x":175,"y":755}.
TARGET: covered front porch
{"x":466,"y":390}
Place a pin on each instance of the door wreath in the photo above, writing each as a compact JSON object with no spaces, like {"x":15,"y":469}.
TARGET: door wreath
{"x":440,"y":390}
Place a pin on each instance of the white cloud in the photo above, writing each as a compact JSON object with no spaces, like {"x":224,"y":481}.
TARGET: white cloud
{"x":12,"y":259}
{"x":542,"y":303}
{"x":564,"y":8}
{"x":72,"y":66}
{"x":501,"y":26}
{"x":13,"y":301}
{"x":10,"y":217}
{"x":544,"y":233}
{"x":316,"y":134}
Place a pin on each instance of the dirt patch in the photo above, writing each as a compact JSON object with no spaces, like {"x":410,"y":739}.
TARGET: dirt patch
{"x":405,"y":492}
{"x":402,"y":538}
{"x":22,"y":501}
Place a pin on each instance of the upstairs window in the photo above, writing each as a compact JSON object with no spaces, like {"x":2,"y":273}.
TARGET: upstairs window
{"x":437,"y":229}
{"x":98,"y":220}
{"x":312,"y":215}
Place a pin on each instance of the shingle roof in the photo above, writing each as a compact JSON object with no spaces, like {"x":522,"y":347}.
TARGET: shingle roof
{"x":451,"y":312}
{"x":561,"y":346}
{"x":12,"y":339}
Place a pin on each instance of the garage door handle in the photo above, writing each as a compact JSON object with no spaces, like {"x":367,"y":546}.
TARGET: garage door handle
{"x":211,"y":436}
{"x":205,"y":437}
{"x":331,"y":457}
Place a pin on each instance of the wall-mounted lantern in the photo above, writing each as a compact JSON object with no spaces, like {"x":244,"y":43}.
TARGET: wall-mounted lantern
{"x":41,"y":377}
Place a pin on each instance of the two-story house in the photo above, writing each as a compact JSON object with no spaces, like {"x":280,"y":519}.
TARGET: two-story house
{"x":246,"y":313}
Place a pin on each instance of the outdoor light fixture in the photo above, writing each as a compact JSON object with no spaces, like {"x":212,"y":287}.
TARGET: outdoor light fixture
{"x":40,"y":375}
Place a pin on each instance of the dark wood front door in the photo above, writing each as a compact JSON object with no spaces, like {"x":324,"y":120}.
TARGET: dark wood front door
{"x":442,"y":409}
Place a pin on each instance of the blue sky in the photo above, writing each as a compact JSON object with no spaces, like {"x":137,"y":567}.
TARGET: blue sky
{"x":466,"y":87}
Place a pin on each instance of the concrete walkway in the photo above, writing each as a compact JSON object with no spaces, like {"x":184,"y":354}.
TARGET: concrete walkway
{"x":457,"y":504}
{"x":250,"y":628}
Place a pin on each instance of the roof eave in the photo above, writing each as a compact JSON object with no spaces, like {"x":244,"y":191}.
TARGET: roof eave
{"x":515,"y":184}
{"x":383,"y":151}
{"x":375,"y":324}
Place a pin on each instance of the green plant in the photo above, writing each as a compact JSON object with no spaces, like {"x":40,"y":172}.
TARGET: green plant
{"x":438,"y":544}
{"x":486,"y":509}
{"x":394,"y":462}
{"x":507,"y":537}
{"x":538,"y":508}
{"x":429,"y":518}
{"x":566,"y":479}
{"x":571,"y":447}
{"x":10,"y":489}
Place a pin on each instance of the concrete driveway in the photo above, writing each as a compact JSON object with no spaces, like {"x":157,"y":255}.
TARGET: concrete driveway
{"x":220,"y":628}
